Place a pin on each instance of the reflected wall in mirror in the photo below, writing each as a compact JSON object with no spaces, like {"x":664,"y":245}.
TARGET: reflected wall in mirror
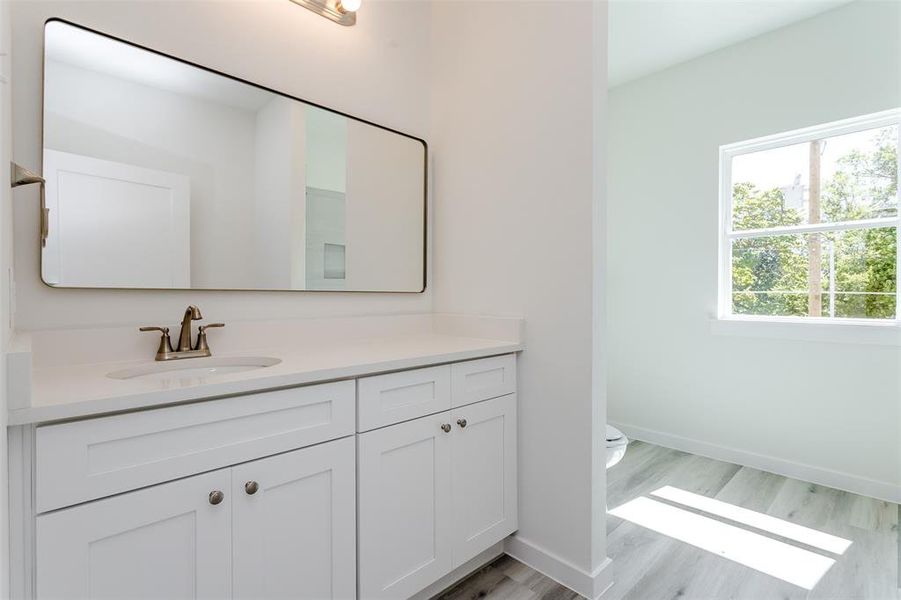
{"x":162,"y":174}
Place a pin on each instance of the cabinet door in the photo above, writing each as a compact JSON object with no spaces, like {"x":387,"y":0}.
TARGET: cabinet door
{"x":295,"y":534}
{"x":167,"y":541}
{"x":404,"y":507}
{"x":483,"y":475}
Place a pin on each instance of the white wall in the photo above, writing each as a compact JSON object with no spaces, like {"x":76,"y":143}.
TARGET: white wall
{"x":326,"y":183}
{"x":5,"y":264}
{"x":326,"y":133}
{"x":377,"y":70}
{"x":210,"y":142}
{"x":381,"y":223}
{"x":833,"y":407}
{"x":280,"y":206}
{"x":513,"y":137}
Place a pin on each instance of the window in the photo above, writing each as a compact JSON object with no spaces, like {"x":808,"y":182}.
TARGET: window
{"x":809,"y":223}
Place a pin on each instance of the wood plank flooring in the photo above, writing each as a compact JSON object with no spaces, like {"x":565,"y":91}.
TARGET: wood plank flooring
{"x":507,"y":579}
{"x":651,"y":566}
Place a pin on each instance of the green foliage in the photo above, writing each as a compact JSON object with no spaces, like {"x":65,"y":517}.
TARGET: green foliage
{"x":770,"y":274}
{"x":772,"y":263}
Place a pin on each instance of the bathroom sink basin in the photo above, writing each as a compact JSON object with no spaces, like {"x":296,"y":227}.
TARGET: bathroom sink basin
{"x":195,"y":368}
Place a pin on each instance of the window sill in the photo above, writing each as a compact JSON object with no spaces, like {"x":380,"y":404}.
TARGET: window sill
{"x":885,"y":333}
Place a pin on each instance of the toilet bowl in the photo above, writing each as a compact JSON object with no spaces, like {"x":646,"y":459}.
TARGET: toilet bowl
{"x":616,"y":445}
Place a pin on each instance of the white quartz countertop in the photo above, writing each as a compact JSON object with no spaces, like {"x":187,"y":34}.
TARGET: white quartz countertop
{"x":84,"y":390}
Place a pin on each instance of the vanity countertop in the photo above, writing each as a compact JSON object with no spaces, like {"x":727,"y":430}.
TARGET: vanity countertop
{"x":85,"y":390}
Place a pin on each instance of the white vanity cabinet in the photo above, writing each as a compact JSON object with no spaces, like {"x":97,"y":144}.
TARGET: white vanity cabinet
{"x":437,"y":490}
{"x":374,"y":487}
{"x":208,"y":536}
{"x":252,"y":496}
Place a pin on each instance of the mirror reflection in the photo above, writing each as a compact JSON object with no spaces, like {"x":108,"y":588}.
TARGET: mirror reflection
{"x":161,"y":174}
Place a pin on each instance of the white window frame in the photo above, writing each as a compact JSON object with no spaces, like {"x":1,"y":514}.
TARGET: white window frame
{"x":727,"y":235}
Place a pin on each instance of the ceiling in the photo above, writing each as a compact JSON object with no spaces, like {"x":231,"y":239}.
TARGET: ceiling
{"x":650,"y":35}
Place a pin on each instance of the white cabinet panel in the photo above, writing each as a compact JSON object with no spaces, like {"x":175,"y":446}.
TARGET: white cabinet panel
{"x":295,"y":535}
{"x":395,"y":397}
{"x":483,"y":475}
{"x":404,"y":507}
{"x":84,"y":460}
{"x":475,"y":380}
{"x":167,"y":541}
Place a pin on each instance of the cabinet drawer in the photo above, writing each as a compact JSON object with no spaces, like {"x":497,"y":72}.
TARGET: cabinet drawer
{"x":395,"y":397}
{"x":482,"y":379}
{"x":94,"y":458}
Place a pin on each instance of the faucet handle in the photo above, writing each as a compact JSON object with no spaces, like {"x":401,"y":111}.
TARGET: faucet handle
{"x":165,"y":330}
{"x":201,"y":337}
{"x":165,"y":348}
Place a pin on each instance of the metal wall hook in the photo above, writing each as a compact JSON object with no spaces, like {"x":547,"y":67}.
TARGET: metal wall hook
{"x":19,"y":175}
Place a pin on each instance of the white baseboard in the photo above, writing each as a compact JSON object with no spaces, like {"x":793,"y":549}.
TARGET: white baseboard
{"x":835,"y":479}
{"x":590,"y":585}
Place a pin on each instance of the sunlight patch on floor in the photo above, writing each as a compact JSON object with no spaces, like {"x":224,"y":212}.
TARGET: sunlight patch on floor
{"x":776,"y":558}
{"x":751,"y":518}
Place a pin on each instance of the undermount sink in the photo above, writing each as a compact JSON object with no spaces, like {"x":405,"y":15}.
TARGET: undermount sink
{"x":195,"y":368}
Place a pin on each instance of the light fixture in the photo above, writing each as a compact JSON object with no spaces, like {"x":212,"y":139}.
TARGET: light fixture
{"x":343,"y":12}
{"x":348,"y":5}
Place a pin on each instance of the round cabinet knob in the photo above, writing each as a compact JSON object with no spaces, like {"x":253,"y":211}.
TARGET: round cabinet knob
{"x":216,"y":497}
{"x":461,"y":422}
{"x":446,"y":427}
{"x":251,"y":487}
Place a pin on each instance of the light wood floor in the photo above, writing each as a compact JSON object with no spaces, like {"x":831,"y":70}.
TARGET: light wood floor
{"x":507,"y":579}
{"x":651,"y":566}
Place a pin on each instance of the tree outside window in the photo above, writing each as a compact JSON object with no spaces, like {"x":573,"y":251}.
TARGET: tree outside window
{"x":813,"y":228}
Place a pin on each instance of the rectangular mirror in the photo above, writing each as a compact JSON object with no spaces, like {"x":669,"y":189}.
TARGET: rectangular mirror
{"x":162,"y":174}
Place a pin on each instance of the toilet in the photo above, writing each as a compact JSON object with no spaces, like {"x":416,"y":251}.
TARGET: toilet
{"x":616,"y":445}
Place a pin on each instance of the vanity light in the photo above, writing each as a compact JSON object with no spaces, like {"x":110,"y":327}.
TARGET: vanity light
{"x":348,"y":5}
{"x":343,"y":12}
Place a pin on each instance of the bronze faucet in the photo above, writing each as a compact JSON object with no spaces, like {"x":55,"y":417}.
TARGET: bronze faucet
{"x":184,"y":348}
{"x":192,"y":313}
